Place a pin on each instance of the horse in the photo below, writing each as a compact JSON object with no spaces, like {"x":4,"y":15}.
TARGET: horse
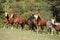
{"x":39,"y":22}
{"x":6,"y":19}
{"x":18,"y":20}
{"x":11,"y":21}
{"x":51,"y":28}
{"x":57,"y":28}
{"x":30,"y":23}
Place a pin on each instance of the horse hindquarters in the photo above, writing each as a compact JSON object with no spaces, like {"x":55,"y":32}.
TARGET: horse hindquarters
{"x":57,"y":28}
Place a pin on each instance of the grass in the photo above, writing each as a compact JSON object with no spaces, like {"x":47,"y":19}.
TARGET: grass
{"x":17,"y":34}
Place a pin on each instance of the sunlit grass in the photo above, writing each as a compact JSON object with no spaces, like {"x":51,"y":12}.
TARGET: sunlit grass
{"x":17,"y":34}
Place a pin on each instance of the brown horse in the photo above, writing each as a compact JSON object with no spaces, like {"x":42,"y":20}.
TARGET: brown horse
{"x":11,"y":21}
{"x":6,"y":19}
{"x":18,"y":20}
{"x":39,"y":22}
{"x":57,"y":28}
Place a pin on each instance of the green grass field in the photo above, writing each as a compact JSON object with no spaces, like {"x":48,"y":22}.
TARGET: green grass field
{"x":17,"y":34}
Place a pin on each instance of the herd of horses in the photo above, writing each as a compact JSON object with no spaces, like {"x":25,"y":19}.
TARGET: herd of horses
{"x":35,"y":22}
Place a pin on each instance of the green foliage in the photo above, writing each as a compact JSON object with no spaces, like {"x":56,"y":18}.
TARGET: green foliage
{"x":25,"y":8}
{"x":55,"y":8}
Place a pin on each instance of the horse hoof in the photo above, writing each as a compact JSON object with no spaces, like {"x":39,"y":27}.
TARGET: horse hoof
{"x":11,"y":28}
{"x":51,"y":34}
{"x":3,"y":27}
{"x":48,"y":33}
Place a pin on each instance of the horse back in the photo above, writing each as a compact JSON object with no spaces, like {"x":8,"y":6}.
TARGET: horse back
{"x":11,"y":20}
{"x":57,"y":27}
{"x":42,"y":22}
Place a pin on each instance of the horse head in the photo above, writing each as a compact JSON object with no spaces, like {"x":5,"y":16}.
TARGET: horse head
{"x":6,"y":14}
{"x":13,"y":15}
{"x":37,"y":17}
{"x":53,"y":20}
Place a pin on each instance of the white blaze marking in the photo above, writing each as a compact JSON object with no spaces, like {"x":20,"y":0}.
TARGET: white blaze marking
{"x":53,"y":20}
{"x":11,"y":15}
{"x":5,"y":13}
{"x":36,"y":16}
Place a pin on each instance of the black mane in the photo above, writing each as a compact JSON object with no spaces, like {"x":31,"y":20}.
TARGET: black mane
{"x":31,"y":17}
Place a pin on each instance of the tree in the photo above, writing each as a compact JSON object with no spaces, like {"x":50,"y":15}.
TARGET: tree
{"x":55,"y":8}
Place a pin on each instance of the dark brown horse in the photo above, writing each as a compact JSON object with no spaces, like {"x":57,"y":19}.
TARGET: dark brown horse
{"x":30,"y":23}
{"x":18,"y":20}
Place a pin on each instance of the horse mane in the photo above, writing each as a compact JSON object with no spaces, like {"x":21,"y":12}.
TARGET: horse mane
{"x":31,"y":17}
{"x":6,"y":17}
{"x":39,"y":18}
{"x":14,"y":15}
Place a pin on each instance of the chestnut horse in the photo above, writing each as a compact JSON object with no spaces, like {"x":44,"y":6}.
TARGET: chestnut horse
{"x":57,"y":28}
{"x":40,"y":22}
{"x":18,"y":20}
{"x":37,"y":22}
{"x":6,"y":19}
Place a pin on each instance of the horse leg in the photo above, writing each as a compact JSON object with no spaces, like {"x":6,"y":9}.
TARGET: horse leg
{"x":30,"y":27}
{"x":17,"y":25}
{"x":12,"y":26}
{"x":57,"y":33}
{"x":22,"y":25}
{"x":42,"y":29}
{"x":4,"y":26}
{"x":49,"y":30}
{"x":52,"y":30}
{"x":37,"y":29}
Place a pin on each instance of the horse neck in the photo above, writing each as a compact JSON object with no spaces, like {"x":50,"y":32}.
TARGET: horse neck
{"x":42,"y":21}
{"x":39,"y":18}
{"x":48,"y":23}
{"x":15,"y":16}
{"x":7,"y":17}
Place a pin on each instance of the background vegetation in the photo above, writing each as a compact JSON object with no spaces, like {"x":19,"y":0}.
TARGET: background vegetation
{"x":24,"y":8}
